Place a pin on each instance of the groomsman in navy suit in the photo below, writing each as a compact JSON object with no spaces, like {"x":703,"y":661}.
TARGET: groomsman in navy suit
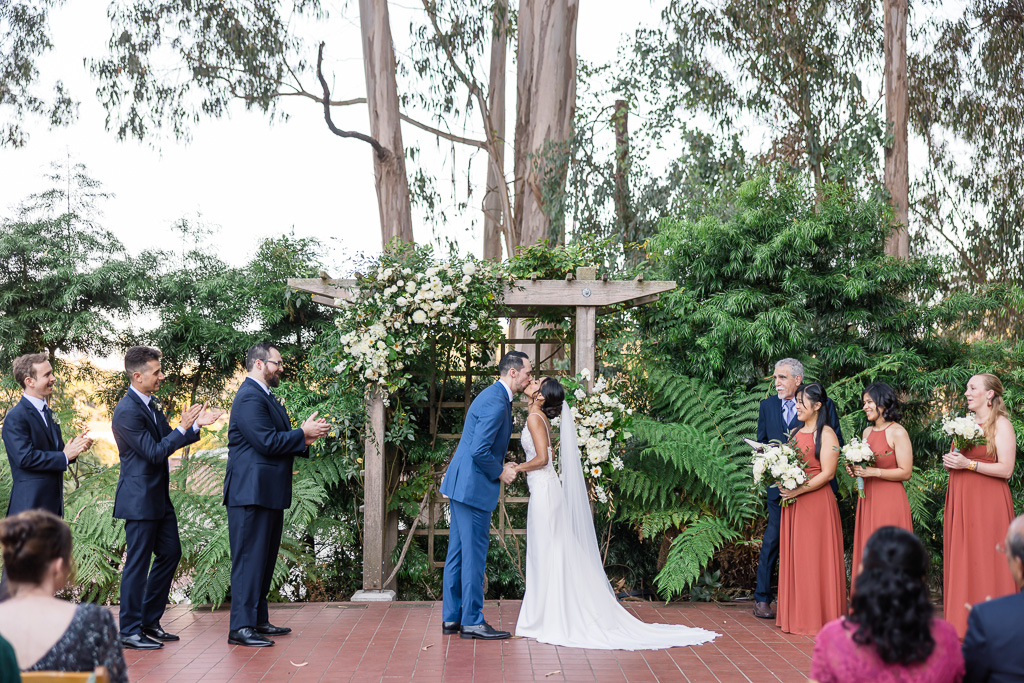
{"x":995,"y":628}
{"x":145,"y":441}
{"x":471,"y":484}
{"x":262,"y":447}
{"x":776,"y":421}
{"x":35,"y":448}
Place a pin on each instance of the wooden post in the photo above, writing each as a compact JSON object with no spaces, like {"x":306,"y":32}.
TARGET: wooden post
{"x":375,"y":550}
{"x":586,"y":328}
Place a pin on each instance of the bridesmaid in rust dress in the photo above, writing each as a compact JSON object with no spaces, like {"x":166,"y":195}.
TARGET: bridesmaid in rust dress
{"x":885,"y":500}
{"x":979,"y":508}
{"x":812,"y":575}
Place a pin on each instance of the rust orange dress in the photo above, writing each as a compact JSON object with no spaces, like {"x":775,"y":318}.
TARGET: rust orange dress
{"x":812,"y":576}
{"x":884,"y":503}
{"x":979,"y":509}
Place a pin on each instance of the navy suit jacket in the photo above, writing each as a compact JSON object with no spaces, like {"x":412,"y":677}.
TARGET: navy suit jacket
{"x":143,"y":487}
{"x":262,"y":447}
{"x":770,"y":426}
{"x":992,"y":645}
{"x":36,"y":454}
{"x":472,"y":475}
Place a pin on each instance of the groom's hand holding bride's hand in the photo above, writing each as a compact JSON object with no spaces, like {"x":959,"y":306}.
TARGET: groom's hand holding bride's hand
{"x":508,"y":474}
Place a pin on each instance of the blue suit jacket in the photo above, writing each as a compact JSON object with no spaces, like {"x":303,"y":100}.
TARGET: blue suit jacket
{"x":992,"y":645}
{"x":262,"y":447}
{"x":143,"y":486}
{"x":770,"y":427}
{"x":472,"y":476}
{"x":36,"y":454}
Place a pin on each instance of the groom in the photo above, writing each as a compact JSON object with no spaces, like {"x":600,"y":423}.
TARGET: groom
{"x":471,"y":484}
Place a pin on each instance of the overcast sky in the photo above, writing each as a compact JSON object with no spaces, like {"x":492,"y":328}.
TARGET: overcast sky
{"x":243,"y":175}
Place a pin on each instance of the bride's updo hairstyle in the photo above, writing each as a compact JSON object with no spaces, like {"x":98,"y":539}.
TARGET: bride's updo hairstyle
{"x":554,"y":394}
{"x":31,"y":541}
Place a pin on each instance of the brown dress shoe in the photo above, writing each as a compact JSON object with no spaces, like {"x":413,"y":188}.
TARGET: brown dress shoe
{"x":763,"y":610}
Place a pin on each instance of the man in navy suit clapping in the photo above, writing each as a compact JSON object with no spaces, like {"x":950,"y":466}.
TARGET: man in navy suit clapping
{"x":262,"y":447}
{"x":35,"y":447}
{"x":776,"y":421}
{"x":145,"y":440}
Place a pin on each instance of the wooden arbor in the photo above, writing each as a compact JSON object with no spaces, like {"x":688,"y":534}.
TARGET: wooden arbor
{"x":584,"y":294}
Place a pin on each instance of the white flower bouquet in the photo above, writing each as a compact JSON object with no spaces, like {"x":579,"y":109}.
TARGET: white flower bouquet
{"x":858,"y":453}
{"x":602,"y":422}
{"x":780,"y":465}
{"x":965,"y":431}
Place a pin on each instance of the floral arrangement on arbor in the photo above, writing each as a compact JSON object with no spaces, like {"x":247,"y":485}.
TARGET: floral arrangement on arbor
{"x":602,"y":423}
{"x":407,"y":302}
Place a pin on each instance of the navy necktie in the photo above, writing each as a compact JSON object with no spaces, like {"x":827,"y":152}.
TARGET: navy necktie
{"x":48,"y":415}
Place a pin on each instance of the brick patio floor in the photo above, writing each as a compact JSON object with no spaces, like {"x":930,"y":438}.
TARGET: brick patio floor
{"x":402,"y":641}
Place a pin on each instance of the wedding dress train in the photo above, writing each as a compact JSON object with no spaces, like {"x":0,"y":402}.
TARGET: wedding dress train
{"x":568,"y":599}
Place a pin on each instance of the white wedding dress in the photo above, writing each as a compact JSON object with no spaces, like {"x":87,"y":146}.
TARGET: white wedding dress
{"x":568,"y":599}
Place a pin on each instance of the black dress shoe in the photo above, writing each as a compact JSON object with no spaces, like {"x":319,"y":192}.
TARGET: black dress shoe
{"x":269,"y":629}
{"x":158,"y":633}
{"x":137,"y":641}
{"x":483,"y":632}
{"x":450,"y":628}
{"x":247,"y":636}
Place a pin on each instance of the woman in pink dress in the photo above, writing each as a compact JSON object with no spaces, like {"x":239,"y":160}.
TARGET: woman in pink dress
{"x":885,"y":500}
{"x":979,"y":507}
{"x":891,"y":633}
{"x":812,"y":575}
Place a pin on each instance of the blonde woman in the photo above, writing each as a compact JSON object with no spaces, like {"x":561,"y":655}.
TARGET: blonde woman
{"x":979,"y":507}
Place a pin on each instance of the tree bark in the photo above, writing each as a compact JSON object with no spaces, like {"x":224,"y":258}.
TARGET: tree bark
{"x":623,"y":208}
{"x":493,"y":214}
{"x":546,"y":85}
{"x":897,"y":173}
{"x":385,"y":122}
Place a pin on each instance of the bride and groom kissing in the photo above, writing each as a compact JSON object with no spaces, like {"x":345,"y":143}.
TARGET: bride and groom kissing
{"x":568,"y":600}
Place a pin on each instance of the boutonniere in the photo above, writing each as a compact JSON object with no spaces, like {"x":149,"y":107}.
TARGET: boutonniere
{"x":56,"y":420}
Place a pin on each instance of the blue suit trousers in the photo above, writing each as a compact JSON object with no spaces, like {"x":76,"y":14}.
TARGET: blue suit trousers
{"x":469,"y":536}
{"x":144,"y":588}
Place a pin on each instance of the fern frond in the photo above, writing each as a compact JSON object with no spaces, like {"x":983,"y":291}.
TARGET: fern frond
{"x":690,"y":552}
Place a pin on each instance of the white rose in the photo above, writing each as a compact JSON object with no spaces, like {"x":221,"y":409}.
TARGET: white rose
{"x":580,"y":394}
{"x":466,"y":279}
{"x":468,"y":268}
{"x":437,"y":305}
{"x":419,"y":316}
{"x":402,"y":301}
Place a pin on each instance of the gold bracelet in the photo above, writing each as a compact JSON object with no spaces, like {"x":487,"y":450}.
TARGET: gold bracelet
{"x":973,"y":467}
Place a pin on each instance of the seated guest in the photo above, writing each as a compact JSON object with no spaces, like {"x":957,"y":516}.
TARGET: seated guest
{"x":8,"y":663}
{"x":891,"y":633}
{"x":49,"y":634}
{"x":995,"y":629}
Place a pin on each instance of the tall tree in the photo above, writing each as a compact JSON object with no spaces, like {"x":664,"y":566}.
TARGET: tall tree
{"x":794,"y":68}
{"x":24,"y":37}
{"x":64,"y":279}
{"x":546,"y":79}
{"x":966,"y":95}
{"x":897,"y":163}
{"x":496,"y":190}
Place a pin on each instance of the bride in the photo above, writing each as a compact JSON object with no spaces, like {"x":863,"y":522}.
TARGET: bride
{"x":568,"y":599}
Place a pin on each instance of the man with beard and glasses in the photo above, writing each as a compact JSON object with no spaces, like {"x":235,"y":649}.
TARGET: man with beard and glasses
{"x":262,"y":447}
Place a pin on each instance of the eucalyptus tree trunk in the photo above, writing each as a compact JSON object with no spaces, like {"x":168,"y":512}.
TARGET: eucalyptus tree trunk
{"x":493,"y":214}
{"x":385,"y":122}
{"x":546,"y":84}
{"x":897,"y":173}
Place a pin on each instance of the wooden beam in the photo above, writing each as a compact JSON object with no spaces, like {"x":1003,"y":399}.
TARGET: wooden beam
{"x":526,"y":294}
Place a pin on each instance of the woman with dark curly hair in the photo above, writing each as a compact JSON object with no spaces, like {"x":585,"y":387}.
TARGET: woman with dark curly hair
{"x":891,"y":633}
{"x":885,"y":500}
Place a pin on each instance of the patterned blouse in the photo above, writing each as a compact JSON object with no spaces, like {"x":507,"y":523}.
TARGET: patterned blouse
{"x":89,"y":641}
